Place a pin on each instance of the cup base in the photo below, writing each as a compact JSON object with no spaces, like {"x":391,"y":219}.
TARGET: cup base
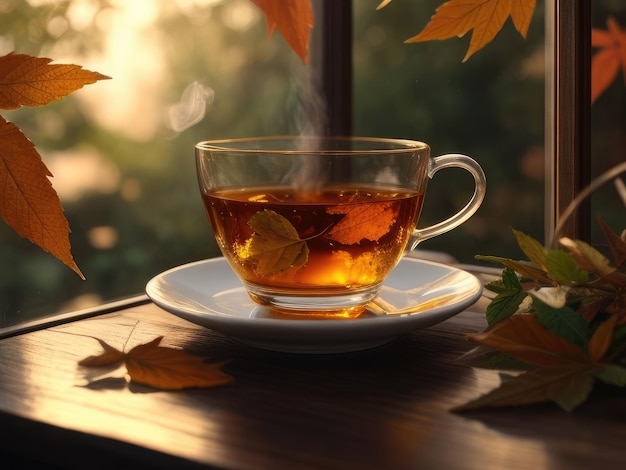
{"x":319,"y":306}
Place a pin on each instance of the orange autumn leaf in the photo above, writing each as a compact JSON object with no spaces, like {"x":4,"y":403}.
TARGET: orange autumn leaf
{"x":28,"y":203}
{"x":524,"y":338}
{"x":293,"y":18}
{"x":161,"y":367}
{"x":362,"y":222}
{"x":32,"y":81}
{"x":485,"y":17}
{"x":605,"y":63}
{"x":172,"y":369}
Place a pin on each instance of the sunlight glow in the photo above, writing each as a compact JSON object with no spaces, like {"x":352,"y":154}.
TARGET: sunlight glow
{"x":82,"y":170}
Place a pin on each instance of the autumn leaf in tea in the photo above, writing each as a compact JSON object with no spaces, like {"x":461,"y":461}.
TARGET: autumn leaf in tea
{"x":275,"y":243}
{"x":362,"y":222}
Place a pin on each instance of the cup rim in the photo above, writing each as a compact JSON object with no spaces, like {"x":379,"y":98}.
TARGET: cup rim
{"x":378,"y":145}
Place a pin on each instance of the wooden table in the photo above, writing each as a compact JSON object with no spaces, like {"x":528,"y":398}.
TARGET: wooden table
{"x":387,"y":408}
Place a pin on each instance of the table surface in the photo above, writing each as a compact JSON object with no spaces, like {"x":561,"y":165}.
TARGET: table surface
{"x":387,"y":407}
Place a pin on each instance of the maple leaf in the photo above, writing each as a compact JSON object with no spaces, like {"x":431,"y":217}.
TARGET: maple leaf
{"x":485,"y":17}
{"x":32,"y":81}
{"x":605,"y":64}
{"x":276,"y":243}
{"x":161,"y":367}
{"x":28,"y":203}
{"x":294,"y":19}
{"x":362,"y":222}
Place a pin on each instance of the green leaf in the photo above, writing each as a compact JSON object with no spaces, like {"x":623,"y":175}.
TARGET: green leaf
{"x":563,"y":322}
{"x":531,"y":248}
{"x":510,"y":296}
{"x":504,"y":305}
{"x":275,"y":243}
{"x":562,"y":267}
{"x":613,"y":375}
{"x":567,"y":387}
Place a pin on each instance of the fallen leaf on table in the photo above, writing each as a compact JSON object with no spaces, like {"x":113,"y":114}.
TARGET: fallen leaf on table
{"x":161,"y":367}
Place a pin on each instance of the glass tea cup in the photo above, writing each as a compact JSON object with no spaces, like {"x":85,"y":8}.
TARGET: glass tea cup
{"x":313,"y":225}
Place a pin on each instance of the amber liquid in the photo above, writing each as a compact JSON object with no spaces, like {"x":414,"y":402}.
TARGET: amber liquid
{"x":341,"y":239}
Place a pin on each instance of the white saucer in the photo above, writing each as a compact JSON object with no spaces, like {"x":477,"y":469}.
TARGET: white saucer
{"x":417,"y":294}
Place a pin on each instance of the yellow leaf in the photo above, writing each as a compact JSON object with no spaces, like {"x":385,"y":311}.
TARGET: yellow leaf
{"x":28,"y":203}
{"x":172,"y":369}
{"x":587,"y":257}
{"x":32,"y":81}
{"x":485,"y":17}
{"x":294,"y":19}
{"x":275,"y":243}
{"x":523,"y":337}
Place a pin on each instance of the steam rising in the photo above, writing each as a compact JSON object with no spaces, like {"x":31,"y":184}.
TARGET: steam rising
{"x":191,"y":108}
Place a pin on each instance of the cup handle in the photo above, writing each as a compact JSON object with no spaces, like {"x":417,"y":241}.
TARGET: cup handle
{"x":454,"y":160}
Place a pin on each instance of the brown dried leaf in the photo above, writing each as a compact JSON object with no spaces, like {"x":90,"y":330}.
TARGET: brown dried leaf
{"x":172,"y":369}
{"x":28,"y":203}
{"x":363,"y":222}
{"x":524,"y":338}
{"x":32,"y":81}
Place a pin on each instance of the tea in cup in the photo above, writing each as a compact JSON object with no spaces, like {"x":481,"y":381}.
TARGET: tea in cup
{"x":314,"y":225}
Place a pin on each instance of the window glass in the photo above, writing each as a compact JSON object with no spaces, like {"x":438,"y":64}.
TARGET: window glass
{"x":490,"y":107}
{"x":608,"y":121}
{"x":121,"y":150}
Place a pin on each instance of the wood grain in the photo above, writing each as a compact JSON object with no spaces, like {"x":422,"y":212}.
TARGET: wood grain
{"x":383,"y":408}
